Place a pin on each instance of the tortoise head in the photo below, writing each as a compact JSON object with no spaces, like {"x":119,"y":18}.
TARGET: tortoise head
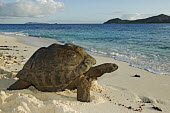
{"x":109,"y":67}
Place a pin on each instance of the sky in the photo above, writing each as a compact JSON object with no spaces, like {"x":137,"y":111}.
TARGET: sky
{"x":78,"y":11}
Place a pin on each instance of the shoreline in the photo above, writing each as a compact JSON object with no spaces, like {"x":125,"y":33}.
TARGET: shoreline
{"x":117,"y":92}
{"x":44,"y":42}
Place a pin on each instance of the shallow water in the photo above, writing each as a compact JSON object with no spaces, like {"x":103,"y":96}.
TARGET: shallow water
{"x":145,"y":46}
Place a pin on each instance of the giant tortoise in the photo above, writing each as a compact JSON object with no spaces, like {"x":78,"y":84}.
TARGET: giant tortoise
{"x":59,"y":67}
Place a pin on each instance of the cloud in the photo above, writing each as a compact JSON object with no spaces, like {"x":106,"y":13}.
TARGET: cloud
{"x":134,"y":16}
{"x":29,"y":8}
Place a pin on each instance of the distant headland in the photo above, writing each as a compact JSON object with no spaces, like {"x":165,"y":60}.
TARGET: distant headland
{"x":162,"y":18}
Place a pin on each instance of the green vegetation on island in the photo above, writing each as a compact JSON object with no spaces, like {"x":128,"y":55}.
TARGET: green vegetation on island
{"x":162,"y":18}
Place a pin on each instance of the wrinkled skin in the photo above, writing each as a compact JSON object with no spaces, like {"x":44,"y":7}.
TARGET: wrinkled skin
{"x":60,"y":67}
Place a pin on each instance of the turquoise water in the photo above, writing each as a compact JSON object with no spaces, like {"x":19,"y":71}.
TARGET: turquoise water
{"x":146,"y":46}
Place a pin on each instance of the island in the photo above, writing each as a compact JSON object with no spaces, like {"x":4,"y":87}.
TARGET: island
{"x":35,"y":23}
{"x":162,"y":18}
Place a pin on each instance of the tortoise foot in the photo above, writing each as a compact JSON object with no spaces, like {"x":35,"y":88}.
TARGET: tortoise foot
{"x":20,"y":84}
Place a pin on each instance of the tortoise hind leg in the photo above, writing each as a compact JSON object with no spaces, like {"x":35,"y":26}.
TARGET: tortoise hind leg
{"x":20,"y":84}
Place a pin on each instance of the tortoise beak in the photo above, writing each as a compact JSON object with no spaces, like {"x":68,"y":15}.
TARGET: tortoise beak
{"x":111,"y":67}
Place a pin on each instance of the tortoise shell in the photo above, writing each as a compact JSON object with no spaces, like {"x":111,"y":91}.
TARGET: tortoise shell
{"x":56,"y":66}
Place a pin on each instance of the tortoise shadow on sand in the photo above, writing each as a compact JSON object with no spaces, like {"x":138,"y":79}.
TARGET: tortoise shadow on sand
{"x":5,"y":82}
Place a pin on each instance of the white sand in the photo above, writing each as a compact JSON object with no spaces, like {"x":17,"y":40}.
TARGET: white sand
{"x":118,"y":92}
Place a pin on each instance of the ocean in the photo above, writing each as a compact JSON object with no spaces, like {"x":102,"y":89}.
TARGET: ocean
{"x":145,"y":46}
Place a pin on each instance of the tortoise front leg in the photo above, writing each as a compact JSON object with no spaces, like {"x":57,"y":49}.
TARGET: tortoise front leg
{"x":83,"y":89}
{"x":98,"y":71}
{"x":20,"y":84}
{"x":84,"y":81}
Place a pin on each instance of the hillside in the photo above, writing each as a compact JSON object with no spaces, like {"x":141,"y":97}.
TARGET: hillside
{"x":154,"y":19}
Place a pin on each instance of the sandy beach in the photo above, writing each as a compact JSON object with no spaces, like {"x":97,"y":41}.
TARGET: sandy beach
{"x":117,"y":92}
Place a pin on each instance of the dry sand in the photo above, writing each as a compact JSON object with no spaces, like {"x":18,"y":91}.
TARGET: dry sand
{"x":117,"y":92}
